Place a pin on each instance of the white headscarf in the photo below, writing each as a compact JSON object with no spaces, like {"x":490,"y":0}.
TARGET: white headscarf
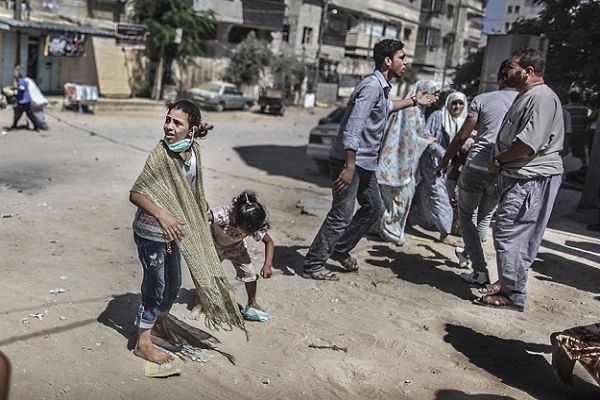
{"x":453,"y":124}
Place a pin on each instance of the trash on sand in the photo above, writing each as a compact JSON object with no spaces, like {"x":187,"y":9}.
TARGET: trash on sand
{"x":425,"y":328}
{"x":38,"y":315}
{"x":8,"y":215}
{"x":334,"y":347}
{"x":266,"y":381}
{"x":154,"y":370}
{"x":56,"y":291}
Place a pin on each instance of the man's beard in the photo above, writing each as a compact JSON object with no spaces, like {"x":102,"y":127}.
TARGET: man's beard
{"x":517,"y":80}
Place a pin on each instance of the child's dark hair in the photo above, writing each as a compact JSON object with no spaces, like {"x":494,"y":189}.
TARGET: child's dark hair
{"x":247,"y":213}
{"x":193,"y":114}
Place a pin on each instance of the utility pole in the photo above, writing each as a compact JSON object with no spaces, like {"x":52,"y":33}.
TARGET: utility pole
{"x":17,"y":17}
{"x":322,"y":26}
{"x":451,"y":38}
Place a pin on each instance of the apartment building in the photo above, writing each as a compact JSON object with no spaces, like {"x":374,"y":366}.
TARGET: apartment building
{"x":449,"y":31}
{"x":519,"y":9}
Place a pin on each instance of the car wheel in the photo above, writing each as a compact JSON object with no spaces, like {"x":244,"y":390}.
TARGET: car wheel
{"x":281,"y":111}
{"x":263,"y":108}
{"x":323,"y":166}
{"x":219,"y":107}
{"x":247,"y":106}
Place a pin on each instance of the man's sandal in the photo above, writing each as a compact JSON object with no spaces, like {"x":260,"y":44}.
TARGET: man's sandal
{"x":324,"y":275}
{"x":349,"y":263}
{"x":497,"y":301}
{"x":490,"y":289}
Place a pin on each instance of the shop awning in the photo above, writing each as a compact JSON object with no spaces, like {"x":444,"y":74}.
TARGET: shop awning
{"x":9,"y":23}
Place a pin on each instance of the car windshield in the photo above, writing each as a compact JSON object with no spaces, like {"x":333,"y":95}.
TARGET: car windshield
{"x":210,"y":87}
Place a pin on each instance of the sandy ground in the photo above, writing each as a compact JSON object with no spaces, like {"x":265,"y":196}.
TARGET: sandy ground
{"x":406,"y":318}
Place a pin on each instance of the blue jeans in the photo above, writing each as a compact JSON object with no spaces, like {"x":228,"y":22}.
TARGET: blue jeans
{"x":477,"y":201}
{"x":341,"y":231}
{"x":161,"y":282}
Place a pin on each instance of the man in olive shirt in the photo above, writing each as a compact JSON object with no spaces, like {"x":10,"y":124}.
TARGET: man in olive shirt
{"x":527,"y":156}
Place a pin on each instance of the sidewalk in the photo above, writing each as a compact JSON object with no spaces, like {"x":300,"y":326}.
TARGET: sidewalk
{"x":113,"y":103}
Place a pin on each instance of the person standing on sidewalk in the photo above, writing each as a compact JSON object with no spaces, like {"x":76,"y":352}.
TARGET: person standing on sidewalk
{"x":477,"y":189}
{"x":527,"y":156}
{"x":353,"y":162}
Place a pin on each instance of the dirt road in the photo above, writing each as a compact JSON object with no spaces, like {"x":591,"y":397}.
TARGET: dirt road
{"x":406,"y":318}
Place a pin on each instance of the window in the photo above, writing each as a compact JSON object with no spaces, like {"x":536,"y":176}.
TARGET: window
{"x":429,"y":37}
{"x":285,"y":33}
{"x":392,"y":31}
{"x":432,"y":5}
{"x":517,"y":9}
{"x":509,"y":11}
{"x":450,"y":12}
{"x":507,"y":26}
{"x":231,"y":90}
{"x":307,"y":35}
{"x":407,"y":32}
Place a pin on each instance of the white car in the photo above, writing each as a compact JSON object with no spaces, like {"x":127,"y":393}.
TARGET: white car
{"x":322,"y":136}
{"x":220,"y":96}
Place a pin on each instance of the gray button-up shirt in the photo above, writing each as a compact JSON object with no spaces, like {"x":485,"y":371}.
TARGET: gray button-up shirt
{"x":362,"y":128}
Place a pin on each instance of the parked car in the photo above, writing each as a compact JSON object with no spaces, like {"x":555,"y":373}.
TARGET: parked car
{"x":220,"y":96}
{"x":321,"y":138}
{"x":271,"y":101}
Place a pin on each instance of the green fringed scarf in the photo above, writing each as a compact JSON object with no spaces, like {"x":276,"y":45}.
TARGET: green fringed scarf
{"x":163,"y":182}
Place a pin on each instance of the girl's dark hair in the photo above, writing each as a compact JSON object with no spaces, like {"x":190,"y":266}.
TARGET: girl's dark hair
{"x":193,"y":115}
{"x":247,"y":213}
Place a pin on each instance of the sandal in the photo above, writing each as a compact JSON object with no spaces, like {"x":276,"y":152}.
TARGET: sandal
{"x":490,"y":289}
{"x":349,"y":262}
{"x":323,"y":275}
{"x":498,"y":301}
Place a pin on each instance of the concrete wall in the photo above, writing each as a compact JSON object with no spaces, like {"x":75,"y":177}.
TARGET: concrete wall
{"x":80,"y":70}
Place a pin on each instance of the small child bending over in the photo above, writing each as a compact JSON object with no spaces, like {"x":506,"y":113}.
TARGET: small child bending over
{"x":230,"y":225}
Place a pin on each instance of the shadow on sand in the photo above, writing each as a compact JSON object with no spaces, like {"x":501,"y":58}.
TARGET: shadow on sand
{"x":514,"y":364}
{"x":288,"y":161}
{"x":420,"y":270}
{"x":567,"y":272}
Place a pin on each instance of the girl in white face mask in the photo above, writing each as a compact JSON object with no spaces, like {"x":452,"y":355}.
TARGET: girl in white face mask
{"x":171,"y":221}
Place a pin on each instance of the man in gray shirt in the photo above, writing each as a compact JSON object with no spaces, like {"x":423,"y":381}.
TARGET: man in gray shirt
{"x":353,"y":161}
{"x":477,"y":189}
{"x":527,"y":156}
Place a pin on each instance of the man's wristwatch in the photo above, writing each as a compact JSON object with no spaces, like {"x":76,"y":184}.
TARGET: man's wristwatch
{"x":497,"y":162}
{"x":414,"y":100}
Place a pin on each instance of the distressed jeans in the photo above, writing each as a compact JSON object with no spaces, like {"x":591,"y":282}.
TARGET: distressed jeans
{"x":161,"y":281}
{"x":477,"y":201}
{"x":341,"y":231}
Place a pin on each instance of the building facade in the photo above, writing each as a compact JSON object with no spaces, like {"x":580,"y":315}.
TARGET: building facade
{"x":515,"y":10}
{"x":28,"y":36}
{"x":449,"y":31}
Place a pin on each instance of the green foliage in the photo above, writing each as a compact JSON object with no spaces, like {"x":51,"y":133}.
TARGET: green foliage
{"x":467,"y":76}
{"x":249,"y":59}
{"x":288,"y":73}
{"x":162,"y":17}
{"x":571,"y":27}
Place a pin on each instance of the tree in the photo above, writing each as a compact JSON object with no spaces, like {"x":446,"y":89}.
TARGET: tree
{"x":288,"y":73}
{"x":163,"y":17}
{"x":249,"y":59}
{"x":467,"y":76}
{"x":573,"y":51}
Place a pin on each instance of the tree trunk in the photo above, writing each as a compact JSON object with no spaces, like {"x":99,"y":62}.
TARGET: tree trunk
{"x":157,"y":86}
